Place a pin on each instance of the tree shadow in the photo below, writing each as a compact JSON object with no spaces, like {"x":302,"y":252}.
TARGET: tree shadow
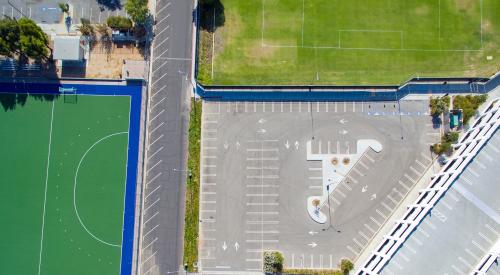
{"x":110,"y":4}
{"x":211,"y":15}
{"x":10,"y":101}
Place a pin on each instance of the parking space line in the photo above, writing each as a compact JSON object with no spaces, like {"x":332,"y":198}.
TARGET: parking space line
{"x":262,"y":186}
{"x":404,"y":257}
{"x":335,"y":200}
{"x":465,"y":262}
{"x":393,"y":200}
{"x":262,"y":232}
{"x":357,"y":171}
{"x":397,"y":192}
{"x":397,"y":264}
{"x":264,"y":241}
{"x":453,"y":196}
{"x":317,"y":107}
{"x":281,"y":106}
{"x":426,"y":157}
{"x":408,"y":246}
{"x":340,"y":192}
{"x":262,"y":203}
{"x":446,"y":205}
{"x":335,"y":107}
{"x":375,"y":221}
{"x":262,"y":195}
{"x":421,"y":164}
{"x":346,"y":186}
{"x":352,"y":250}
{"x":262,"y":213}
{"x":315,"y":168}
{"x":345,"y":107}
{"x":410,"y":178}
{"x":263,"y":177}
{"x":402,"y":184}
{"x":491,"y":229}
{"x":380,"y":213}
{"x":474,"y":256}
{"x":326,"y":107}
{"x":485,"y":238}
{"x":418,"y":173}
{"x":363,"y":235}
{"x":316,"y":187}
{"x":364,"y":165}
{"x":352,"y":179}
{"x":263,"y":222}
{"x":423,"y":232}
{"x":430,"y":224}
{"x":357,"y":242}
{"x":272,"y":107}
{"x":457,"y":269}
{"x":353,"y":107}
{"x":386,"y":206}
{"x":369,"y":158}
{"x":473,"y":172}
{"x":417,"y":240}
{"x":479,"y":246}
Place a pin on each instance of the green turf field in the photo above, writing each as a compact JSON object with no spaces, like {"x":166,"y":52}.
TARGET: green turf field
{"x":63,"y":172}
{"x":351,"y":42}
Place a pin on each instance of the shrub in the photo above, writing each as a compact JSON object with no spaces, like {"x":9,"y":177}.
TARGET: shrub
{"x":119,"y":23}
{"x":346,"y":265}
{"x":469,"y":105}
{"x":273,"y":262}
{"x":439,"y":105}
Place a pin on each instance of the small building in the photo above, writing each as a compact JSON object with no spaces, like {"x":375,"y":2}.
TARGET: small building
{"x":69,"y":48}
{"x":456,"y":119}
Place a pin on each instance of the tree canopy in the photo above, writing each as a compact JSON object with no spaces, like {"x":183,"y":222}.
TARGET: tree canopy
{"x":23,"y":37}
{"x":119,"y":22}
{"x":137,"y":10}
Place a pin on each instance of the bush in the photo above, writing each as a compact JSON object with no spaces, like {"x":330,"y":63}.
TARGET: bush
{"x":119,"y":23}
{"x":273,"y":262}
{"x":469,"y":105}
{"x":439,"y":105}
{"x":346,"y":265}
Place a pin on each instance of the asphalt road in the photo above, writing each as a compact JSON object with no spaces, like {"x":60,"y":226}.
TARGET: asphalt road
{"x":164,"y":189}
{"x":256,"y":179}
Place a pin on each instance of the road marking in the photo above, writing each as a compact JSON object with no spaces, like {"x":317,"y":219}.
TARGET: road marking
{"x":375,"y":221}
{"x":340,"y":192}
{"x":263,"y":177}
{"x":369,"y":158}
{"x":149,"y":206}
{"x":411,"y":179}
{"x":316,"y":187}
{"x":393,"y":200}
{"x":364,"y":165}
{"x":155,"y":177}
{"x":410,"y":249}
{"x":431,"y":225}
{"x":345,"y":107}
{"x":357,"y":171}
{"x":151,"y":230}
{"x":397,"y":264}
{"x":380,"y":213}
{"x":404,"y":257}
{"x":352,"y":179}
{"x":426,"y":157}
{"x":491,"y":229}
{"x":415,"y":171}
{"x":421,"y":164}
{"x":253,"y":260}
{"x":262,"y":232}
{"x":363,"y":235}
{"x":262,"y":213}
{"x":474,"y":256}
{"x":315,"y":178}
{"x":347,"y":186}
{"x":357,"y":242}
{"x":262,"y":186}
{"x":465,"y":262}
{"x":335,"y":107}
{"x":446,"y":205}
{"x":353,"y":107}
{"x":479,"y":246}
{"x":149,"y":244}
{"x":263,"y":222}
{"x":369,"y":228}
{"x":152,"y":155}
{"x":262,"y":195}
{"x":352,"y":250}
{"x":315,"y":168}
{"x":152,"y":192}
{"x":262,"y":203}
{"x":386,"y":206}
{"x":424,"y":232}
{"x":456,"y":269}
{"x":418,"y":241}
{"x":262,"y":241}
{"x":485,"y":238}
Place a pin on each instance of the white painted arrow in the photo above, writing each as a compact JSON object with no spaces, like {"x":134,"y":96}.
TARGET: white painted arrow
{"x":261,"y":131}
{"x":312,"y":232}
{"x":296,"y":145}
{"x":237,"y":145}
{"x":313,"y":244}
{"x":262,"y":120}
{"x":226,"y":145}
{"x":236,"y":246}
{"x":364,"y":188}
{"x":287,"y":145}
{"x":224,"y":246}
{"x":343,"y":121}
{"x":373,"y":196}
{"x":343,"y":132}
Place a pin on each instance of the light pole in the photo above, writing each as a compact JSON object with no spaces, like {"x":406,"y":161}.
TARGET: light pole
{"x":329,"y":210}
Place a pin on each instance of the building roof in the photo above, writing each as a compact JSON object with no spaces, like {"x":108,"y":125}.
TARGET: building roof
{"x":68,"y":48}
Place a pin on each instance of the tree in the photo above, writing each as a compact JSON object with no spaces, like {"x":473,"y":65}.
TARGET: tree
{"x":273,"y":262}
{"x":33,"y":42}
{"x":138,"y":11}
{"x":64,"y":8}
{"x":9,"y":37}
{"x":85,"y":28}
{"x":346,"y":266}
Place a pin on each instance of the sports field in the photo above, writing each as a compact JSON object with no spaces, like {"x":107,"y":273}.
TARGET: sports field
{"x":63,"y":175}
{"x":351,"y":42}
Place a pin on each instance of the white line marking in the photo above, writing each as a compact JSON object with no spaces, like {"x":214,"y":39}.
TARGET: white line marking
{"x":45,"y":192}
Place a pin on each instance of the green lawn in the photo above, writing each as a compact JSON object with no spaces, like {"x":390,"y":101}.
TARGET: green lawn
{"x":351,"y":42}
{"x":63,"y":182}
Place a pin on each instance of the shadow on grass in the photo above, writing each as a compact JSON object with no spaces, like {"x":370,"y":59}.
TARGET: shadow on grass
{"x":211,"y":15}
{"x":10,"y":101}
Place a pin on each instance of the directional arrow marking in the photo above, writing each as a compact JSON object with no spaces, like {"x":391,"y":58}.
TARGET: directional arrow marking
{"x":312,"y":232}
{"x":262,"y":131}
{"x":287,"y":145}
{"x":364,"y":188}
{"x":343,"y":121}
{"x":237,"y":145}
{"x":262,"y":120}
{"x":296,"y":145}
{"x":236,"y":246}
{"x":343,"y":132}
{"x":373,"y":196}
{"x":224,"y":246}
{"x":313,"y":244}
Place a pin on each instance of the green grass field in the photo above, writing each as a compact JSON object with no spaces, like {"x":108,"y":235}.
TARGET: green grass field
{"x":351,"y":42}
{"x":63,"y":172}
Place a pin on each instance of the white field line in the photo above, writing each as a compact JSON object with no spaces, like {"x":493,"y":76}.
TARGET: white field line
{"x":45,"y":192}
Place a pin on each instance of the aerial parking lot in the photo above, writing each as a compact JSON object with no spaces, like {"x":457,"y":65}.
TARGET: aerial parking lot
{"x":260,"y":166}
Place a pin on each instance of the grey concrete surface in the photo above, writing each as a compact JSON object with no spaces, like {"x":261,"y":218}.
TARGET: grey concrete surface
{"x":164,"y":189}
{"x":462,"y":227}
{"x":47,"y":11}
{"x":255,"y":178}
